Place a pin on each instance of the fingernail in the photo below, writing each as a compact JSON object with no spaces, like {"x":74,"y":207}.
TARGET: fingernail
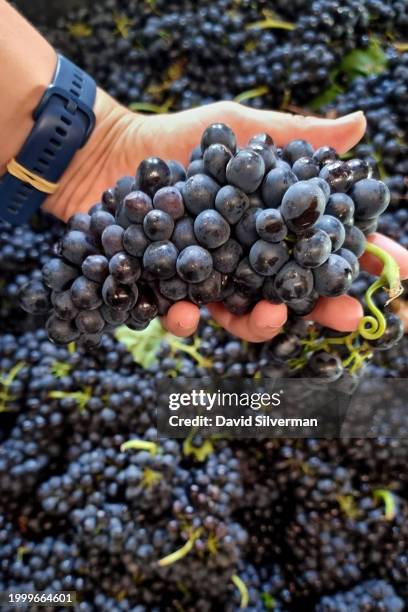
{"x":184,"y":326}
{"x":351,"y":116}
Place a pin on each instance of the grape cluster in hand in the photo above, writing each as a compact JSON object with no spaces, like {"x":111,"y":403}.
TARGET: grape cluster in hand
{"x":238,"y":226}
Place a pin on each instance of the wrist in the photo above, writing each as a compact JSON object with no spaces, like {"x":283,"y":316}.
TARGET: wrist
{"x":89,"y":170}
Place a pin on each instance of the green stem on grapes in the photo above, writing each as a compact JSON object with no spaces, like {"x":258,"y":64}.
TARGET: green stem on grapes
{"x":252,"y":93}
{"x":243,"y":590}
{"x":372,"y":327}
{"x":389,"y":503}
{"x":135,"y":444}
{"x":147,"y":107}
{"x":5,"y":382}
{"x":271,"y":24}
{"x":181,"y":552}
{"x":190,"y":349}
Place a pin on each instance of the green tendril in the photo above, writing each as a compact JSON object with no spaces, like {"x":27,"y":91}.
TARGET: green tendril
{"x":372,"y":327}
{"x":390,"y":506}
{"x":191,"y":349}
{"x":147,"y":107}
{"x":252,"y":93}
{"x":181,"y":552}
{"x":243,"y":590}
{"x":6,"y":381}
{"x":80,"y":397}
{"x":139,"y":445}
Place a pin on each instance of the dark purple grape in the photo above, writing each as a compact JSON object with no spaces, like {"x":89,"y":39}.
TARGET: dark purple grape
{"x":136,"y":205}
{"x":302,"y":205}
{"x":174,"y":289}
{"x":270,"y":225}
{"x":86,"y":294}
{"x":367,"y":227}
{"x":245,"y":229}
{"x":58,"y":275}
{"x":125,"y":185}
{"x":194,"y":264}
{"x":216,"y":158}
{"x":183,"y":234}
{"x":199,"y":193}
{"x":63,"y":305}
{"x":90,"y":341}
{"x":80,"y":222}
{"x":113,"y":317}
{"x":158,"y":225}
{"x":160,"y":258}
{"x":99,"y":221}
{"x":145,"y":309}
{"x":275,"y":185}
{"x":135,"y":241}
{"x":334,"y":277}
{"x":353,"y":261}
{"x":341,"y":206}
{"x":61,"y":332}
{"x":324,"y":155}
{"x":392,"y":335}
{"x":169,"y":200}
{"x":371,"y":198}
{"x":268,"y":154}
{"x":177,"y":171}
{"x":121,"y":217}
{"x":231,"y":203}
{"x":124,"y":268}
{"x":296,"y":149}
{"x":360,"y":168}
{"x":96,"y":268}
{"x":226,"y":257}
{"x":293,"y":282}
{"x":338,"y":175}
{"x":355,"y":240}
{"x":90,"y":322}
{"x":324,"y":186}
{"x":262,"y":138}
{"x":305,"y":168}
{"x":246,"y":279}
{"x":152,"y":174}
{"x":195,"y":167}
{"x":246,"y":170}
{"x":267,"y":258}
{"x":112,"y":240}
{"x":206,"y":291}
{"x":196,"y":153}
{"x":269,"y":291}
{"x":162,"y":303}
{"x":312,"y":248}
{"x":305,"y":306}
{"x":75,"y":246}
{"x":117,"y":296}
{"x":334,"y":229}
{"x":238,"y":304}
{"x":218,"y":133}
{"x":327,"y":366}
{"x":211,"y":229}
{"x":34,"y":297}
{"x":109,"y":201}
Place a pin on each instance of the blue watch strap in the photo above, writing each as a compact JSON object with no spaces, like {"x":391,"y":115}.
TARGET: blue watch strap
{"x":64,"y":119}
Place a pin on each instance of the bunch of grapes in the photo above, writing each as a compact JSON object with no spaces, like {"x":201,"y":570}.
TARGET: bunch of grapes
{"x":285,"y":225}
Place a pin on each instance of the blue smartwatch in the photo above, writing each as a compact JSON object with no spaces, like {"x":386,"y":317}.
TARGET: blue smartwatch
{"x":64,"y":120}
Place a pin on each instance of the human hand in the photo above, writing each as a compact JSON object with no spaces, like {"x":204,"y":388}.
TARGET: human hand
{"x":122,"y":139}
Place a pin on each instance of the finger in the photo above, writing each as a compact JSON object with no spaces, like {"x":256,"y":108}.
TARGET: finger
{"x":372,"y":264}
{"x":341,"y":313}
{"x":239,"y":326}
{"x":182,"y":319}
{"x":266,"y":319}
{"x":342,"y":133}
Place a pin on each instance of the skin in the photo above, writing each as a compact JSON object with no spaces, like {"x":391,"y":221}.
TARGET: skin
{"x":122,"y":139}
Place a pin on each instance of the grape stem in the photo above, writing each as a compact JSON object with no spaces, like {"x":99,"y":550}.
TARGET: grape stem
{"x":243,"y":590}
{"x":135,"y":444}
{"x":181,"y":552}
{"x":372,"y":327}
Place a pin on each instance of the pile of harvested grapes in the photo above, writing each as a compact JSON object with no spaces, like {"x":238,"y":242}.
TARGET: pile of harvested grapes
{"x":91,"y":499}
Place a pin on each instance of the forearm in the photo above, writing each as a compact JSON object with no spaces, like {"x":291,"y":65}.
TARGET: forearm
{"x":26,"y":69}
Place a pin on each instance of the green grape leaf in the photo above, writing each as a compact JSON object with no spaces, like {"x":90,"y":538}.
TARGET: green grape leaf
{"x":364,"y":61}
{"x":143,"y":345}
{"x":327,"y":96}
